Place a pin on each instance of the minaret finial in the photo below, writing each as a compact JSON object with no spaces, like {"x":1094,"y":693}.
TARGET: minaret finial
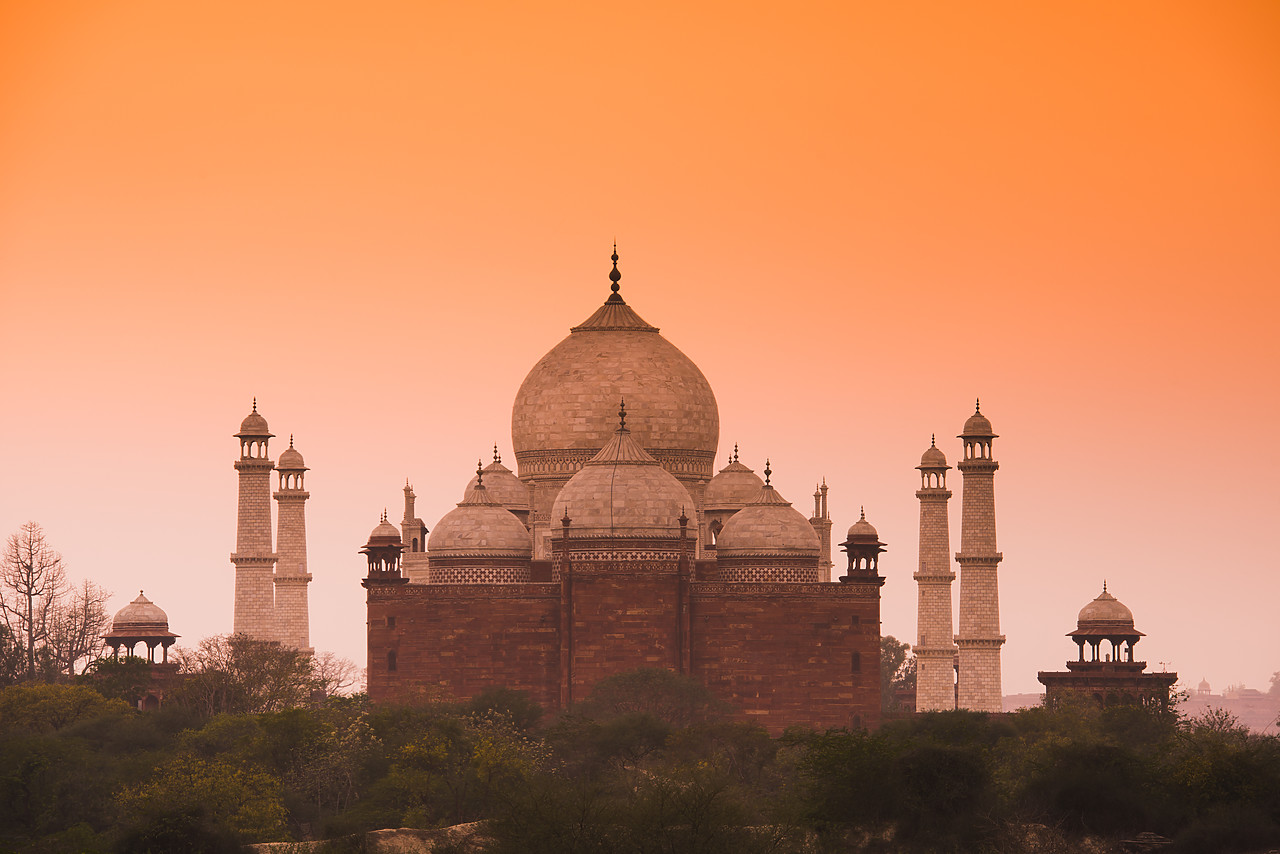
{"x":1104,"y":585}
{"x":622,"y":414}
{"x":767,"y":472}
{"x":862,"y":510}
{"x":384,"y":514}
{"x":255,"y":403}
{"x":735,"y":452}
{"x":480,"y":474}
{"x":290,"y":440}
{"x":496,"y":458}
{"x":614,"y":274}
{"x":977,"y":405}
{"x":933,"y":440}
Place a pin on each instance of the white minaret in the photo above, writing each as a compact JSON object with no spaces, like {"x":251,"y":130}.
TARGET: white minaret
{"x":979,"y":640}
{"x":253,"y":558}
{"x":821,"y":522}
{"x":293,"y":621}
{"x":935,"y":647}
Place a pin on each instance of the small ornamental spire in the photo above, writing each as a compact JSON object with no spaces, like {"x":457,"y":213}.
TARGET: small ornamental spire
{"x":479,"y":474}
{"x":384,"y":514}
{"x":735,"y":452}
{"x":1104,"y":585}
{"x":614,"y":274}
{"x":622,"y":414}
{"x":255,"y":403}
{"x":290,"y":440}
{"x":933,"y":440}
{"x":977,"y":406}
{"x":496,"y":458}
{"x":565,"y":520}
{"x":766,"y":471}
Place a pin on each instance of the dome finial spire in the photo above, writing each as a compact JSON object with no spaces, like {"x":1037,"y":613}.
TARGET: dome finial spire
{"x":255,"y":403}
{"x":735,"y":452}
{"x":977,"y":405}
{"x":496,"y":458}
{"x":614,"y":275}
{"x":933,"y":440}
{"x":290,"y":440}
{"x":862,"y":512}
{"x":1104,"y":585}
{"x":767,"y":472}
{"x":622,"y":414}
{"x":480,"y":474}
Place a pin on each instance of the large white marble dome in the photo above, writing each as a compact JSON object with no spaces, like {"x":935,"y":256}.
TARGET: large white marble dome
{"x":568,"y":400}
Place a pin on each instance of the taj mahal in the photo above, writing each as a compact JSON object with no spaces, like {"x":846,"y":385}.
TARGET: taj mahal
{"x":617,"y":544}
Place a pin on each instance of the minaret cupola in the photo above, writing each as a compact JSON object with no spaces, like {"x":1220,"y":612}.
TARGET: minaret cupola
{"x":977,"y":435}
{"x":291,"y":468}
{"x":933,"y":466}
{"x":863,"y":546}
{"x":383,"y":551}
{"x":254,"y":435}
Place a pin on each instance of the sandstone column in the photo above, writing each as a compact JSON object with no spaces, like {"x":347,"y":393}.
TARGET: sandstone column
{"x":979,"y":640}
{"x":935,"y":648}
{"x":253,"y":558}
{"x":292,"y":578}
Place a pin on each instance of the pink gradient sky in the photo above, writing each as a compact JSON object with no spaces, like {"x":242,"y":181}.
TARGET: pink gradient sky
{"x":855,"y":219}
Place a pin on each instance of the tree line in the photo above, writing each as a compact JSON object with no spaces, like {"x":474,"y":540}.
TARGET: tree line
{"x":649,"y":762}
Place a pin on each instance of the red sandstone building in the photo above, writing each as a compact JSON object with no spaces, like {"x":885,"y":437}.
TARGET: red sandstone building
{"x":615,"y":545}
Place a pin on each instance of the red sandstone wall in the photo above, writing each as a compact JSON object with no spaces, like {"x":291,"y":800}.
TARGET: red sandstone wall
{"x":465,"y":638}
{"x":783,"y":653}
{"x":780,"y":653}
{"x":622,"y":621}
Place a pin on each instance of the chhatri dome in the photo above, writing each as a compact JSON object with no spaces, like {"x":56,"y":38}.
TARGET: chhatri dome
{"x":933,"y":458}
{"x":1104,"y":612}
{"x":734,"y":487}
{"x":562,"y":410}
{"x":623,"y":492}
{"x":291,"y":459}
{"x":767,"y":526}
{"x":479,"y":525}
{"x":254,"y":425}
{"x":503,"y":486}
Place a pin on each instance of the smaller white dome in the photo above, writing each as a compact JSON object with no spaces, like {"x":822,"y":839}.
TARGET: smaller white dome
{"x":291,"y":460}
{"x":479,"y":526}
{"x":503,"y":486}
{"x":734,"y":487}
{"x":141,"y":612}
{"x":768,"y":526}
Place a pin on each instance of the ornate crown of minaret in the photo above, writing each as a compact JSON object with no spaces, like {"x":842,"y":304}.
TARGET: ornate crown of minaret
{"x":935,"y":647}
{"x":979,"y":639}
{"x":254,"y":561}
{"x":821,"y":523}
{"x":292,"y":616}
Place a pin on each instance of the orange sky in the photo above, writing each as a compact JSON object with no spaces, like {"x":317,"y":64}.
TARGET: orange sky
{"x":855,"y":220}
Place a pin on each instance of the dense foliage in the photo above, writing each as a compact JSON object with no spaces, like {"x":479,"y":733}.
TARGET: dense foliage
{"x":648,"y":763}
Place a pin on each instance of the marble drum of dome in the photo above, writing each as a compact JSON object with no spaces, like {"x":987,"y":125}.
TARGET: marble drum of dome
{"x":563,"y":412}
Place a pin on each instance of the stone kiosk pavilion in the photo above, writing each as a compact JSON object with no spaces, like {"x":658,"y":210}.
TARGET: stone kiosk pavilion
{"x":1106,"y":675}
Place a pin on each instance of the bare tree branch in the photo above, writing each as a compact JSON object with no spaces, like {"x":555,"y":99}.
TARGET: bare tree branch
{"x":33,"y":582}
